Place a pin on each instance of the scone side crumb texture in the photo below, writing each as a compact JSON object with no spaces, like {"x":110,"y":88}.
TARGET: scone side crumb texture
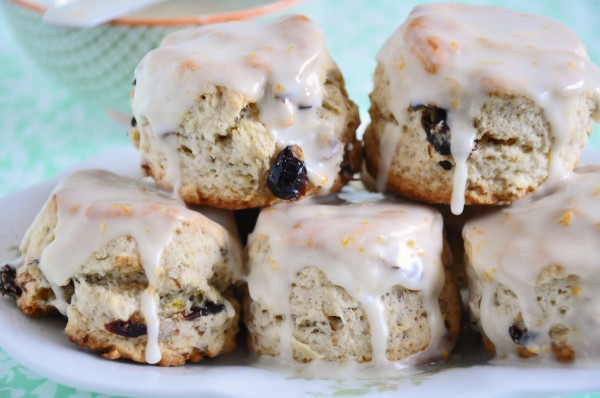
{"x":327,"y":291}
{"x":330,"y":325}
{"x":198,"y":272}
{"x":509,"y":160}
{"x":221,"y":149}
{"x":442,"y":93}
{"x":532,"y":274}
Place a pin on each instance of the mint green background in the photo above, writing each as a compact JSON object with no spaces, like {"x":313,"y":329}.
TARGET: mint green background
{"x":45,"y":128}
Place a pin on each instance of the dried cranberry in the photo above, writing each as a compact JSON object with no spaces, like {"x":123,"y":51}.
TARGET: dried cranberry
{"x":126,"y":328}
{"x":287,"y":178}
{"x":433,"y":121}
{"x":446,"y":165}
{"x":520,"y":335}
{"x":8,"y":286}
{"x":207,"y":308}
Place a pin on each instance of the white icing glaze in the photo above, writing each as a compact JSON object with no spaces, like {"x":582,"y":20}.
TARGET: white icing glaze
{"x":366,"y":248}
{"x":275,"y":65}
{"x":454,"y":56}
{"x":149,"y":306}
{"x":93,"y":208}
{"x":514,"y":245}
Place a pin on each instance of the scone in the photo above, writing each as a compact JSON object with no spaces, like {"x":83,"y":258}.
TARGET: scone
{"x":533,"y":273}
{"x":362,"y":282}
{"x":244,"y":114}
{"x":478,"y":105}
{"x":137,"y":274}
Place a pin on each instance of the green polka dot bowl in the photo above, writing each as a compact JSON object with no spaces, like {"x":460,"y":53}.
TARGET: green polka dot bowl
{"x":97,"y":63}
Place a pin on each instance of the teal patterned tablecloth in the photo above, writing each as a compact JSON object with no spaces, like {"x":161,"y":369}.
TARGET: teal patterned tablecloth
{"x":44,"y":128}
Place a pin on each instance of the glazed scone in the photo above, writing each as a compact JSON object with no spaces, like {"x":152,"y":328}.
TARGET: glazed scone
{"x":362,"y":282}
{"x":137,"y":274}
{"x":244,"y":114}
{"x":533,"y":273}
{"x":478,"y":105}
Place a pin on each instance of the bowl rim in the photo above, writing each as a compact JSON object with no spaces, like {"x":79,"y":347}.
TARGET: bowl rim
{"x":245,"y":13}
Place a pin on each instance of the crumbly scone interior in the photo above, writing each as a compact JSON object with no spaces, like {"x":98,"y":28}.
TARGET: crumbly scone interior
{"x":557,"y":299}
{"x":330,"y":325}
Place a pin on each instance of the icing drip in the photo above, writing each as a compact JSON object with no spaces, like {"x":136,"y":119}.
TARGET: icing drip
{"x":93,"y":208}
{"x":275,"y":65}
{"x":149,"y":300}
{"x":516,"y":245}
{"x":454,"y":56}
{"x":366,"y":248}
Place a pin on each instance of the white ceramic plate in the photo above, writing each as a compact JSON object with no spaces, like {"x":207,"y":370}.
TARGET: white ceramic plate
{"x":40,"y":345}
